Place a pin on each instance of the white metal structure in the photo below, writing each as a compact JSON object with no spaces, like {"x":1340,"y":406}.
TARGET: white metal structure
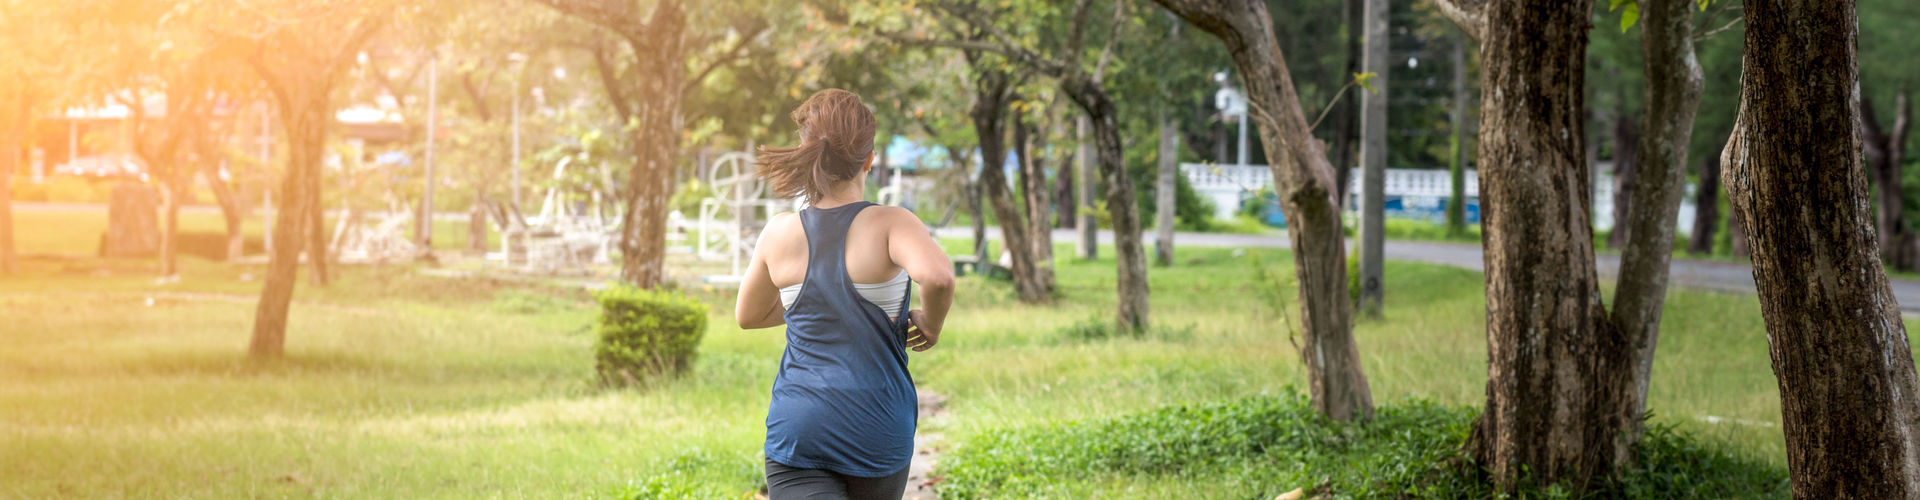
{"x":730,"y":219}
{"x":1417,"y":189}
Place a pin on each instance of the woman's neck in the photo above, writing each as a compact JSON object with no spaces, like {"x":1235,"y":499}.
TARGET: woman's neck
{"x":848,"y":193}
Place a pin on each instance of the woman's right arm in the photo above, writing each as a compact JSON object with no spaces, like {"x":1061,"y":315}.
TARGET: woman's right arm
{"x":912,"y":248}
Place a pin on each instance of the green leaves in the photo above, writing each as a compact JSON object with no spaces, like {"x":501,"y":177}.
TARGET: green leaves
{"x":1632,"y":13}
{"x":1365,"y":81}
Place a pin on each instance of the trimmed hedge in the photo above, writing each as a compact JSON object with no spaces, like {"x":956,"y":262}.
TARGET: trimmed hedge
{"x":646,"y":334}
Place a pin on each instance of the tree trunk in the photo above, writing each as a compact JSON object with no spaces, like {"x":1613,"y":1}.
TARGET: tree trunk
{"x":989,"y":115}
{"x":1103,"y":119}
{"x":1885,"y":151}
{"x":1087,"y":227}
{"x":1457,"y":159}
{"x":1164,"y":199}
{"x":1838,"y":346}
{"x":477,"y":222}
{"x":170,"y":193}
{"x":231,"y":209}
{"x":1706,"y":207}
{"x":1304,"y":181}
{"x":1626,"y":142}
{"x":1674,"y":82}
{"x":318,"y":255}
{"x":1348,"y":118}
{"x":305,"y":117}
{"x":1736,"y":232}
{"x":1033,"y":187}
{"x":1557,"y":366}
{"x":1063,"y":194}
{"x":1373,"y":159}
{"x":660,"y":53}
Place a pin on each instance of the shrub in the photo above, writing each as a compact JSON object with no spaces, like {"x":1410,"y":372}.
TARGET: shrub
{"x":1263,"y":445}
{"x":644,"y":334}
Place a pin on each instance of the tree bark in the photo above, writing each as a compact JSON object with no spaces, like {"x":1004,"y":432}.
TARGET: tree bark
{"x":1164,"y":198}
{"x":1736,"y":231}
{"x":1706,"y":207}
{"x":1557,"y":366}
{"x":660,"y":53}
{"x":1674,"y":82}
{"x":1457,"y":159}
{"x":304,"y":115}
{"x":1304,"y":181}
{"x":232,"y":211}
{"x":1063,"y":193}
{"x":1103,"y":119}
{"x":991,"y":95}
{"x":1626,"y":142}
{"x":1033,"y":188}
{"x":1373,"y":160}
{"x":1834,"y":334}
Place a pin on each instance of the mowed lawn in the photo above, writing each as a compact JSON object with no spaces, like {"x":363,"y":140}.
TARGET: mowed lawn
{"x":399,"y":384}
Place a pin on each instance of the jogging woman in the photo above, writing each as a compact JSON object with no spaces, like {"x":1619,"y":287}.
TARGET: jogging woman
{"x":840,"y":275}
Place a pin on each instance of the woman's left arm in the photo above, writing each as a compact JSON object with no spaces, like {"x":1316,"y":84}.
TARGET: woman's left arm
{"x":758,"y":305}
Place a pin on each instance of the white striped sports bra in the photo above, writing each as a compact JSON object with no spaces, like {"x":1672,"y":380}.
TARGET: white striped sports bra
{"x":888,"y":295}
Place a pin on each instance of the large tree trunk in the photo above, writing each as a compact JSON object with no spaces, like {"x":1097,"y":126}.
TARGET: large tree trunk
{"x":1063,"y":192}
{"x":1736,"y":232}
{"x":1033,"y":187}
{"x":1557,"y":367}
{"x":1373,"y":159}
{"x":305,"y":117}
{"x":1457,"y":157}
{"x":989,"y":117}
{"x":1838,"y":346}
{"x":1886,"y":150}
{"x":1706,"y":207}
{"x":1164,"y":199}
{"x":1104,"y":119}
{"x":660,"y":52}
{"x":1626,"y":143}
{"x":1305,"y":183}
{"x":1673,"y":90}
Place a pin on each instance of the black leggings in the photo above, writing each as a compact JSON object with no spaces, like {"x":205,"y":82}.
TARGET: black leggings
{"x":790,"y":483}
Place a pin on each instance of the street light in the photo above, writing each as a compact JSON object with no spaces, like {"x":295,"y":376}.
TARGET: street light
{"x":519,"y":61}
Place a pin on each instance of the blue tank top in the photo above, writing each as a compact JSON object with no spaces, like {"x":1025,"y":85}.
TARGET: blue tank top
{"x":843,"y":400}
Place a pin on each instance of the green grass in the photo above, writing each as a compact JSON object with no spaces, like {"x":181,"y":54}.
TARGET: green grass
{"x":398,"y":384}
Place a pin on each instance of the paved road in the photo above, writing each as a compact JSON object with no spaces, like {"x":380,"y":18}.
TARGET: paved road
{"x":1690,"y":273}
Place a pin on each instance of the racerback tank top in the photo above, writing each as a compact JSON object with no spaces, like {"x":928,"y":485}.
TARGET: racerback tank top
{"x":843,"y":400}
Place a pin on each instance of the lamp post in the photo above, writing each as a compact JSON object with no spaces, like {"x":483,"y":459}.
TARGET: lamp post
{"x":426,"y":201}
{"x":519,"y":61}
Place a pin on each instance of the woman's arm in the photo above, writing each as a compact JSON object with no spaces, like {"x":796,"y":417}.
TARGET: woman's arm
{"x":758,"y":305}
{"x":911,"y":247}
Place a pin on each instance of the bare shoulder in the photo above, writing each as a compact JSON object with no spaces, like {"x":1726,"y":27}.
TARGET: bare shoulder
{"x":892,"y":217}
{"x":783,"y":227}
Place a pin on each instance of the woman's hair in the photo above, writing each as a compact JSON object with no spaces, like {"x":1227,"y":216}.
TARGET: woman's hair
{"x":836,"y":139}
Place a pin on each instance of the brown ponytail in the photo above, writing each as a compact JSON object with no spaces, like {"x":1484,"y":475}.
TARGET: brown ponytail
{"x":836,"y":140}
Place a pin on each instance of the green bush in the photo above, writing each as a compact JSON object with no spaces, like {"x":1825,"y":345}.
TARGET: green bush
{"x":1268,"y":444}
{"x":645,"y":334}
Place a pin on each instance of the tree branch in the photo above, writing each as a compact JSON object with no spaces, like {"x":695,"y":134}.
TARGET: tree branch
{"x":1469,"y":15}
{"x":728,"y":57}
{"x":1076,"y":35}
{"x":611,"y":81}
{"x":1113,"y":35}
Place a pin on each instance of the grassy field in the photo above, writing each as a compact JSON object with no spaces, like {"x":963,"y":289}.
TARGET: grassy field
{"x":400,"y":384}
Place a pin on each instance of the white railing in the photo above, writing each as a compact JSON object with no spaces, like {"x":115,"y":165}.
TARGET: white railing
{"x":1416,"y":189}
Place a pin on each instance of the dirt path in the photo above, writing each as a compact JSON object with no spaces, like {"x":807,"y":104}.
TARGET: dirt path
{"x":926,"y":446}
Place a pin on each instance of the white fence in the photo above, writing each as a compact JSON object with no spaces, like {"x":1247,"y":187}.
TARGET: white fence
{"x":1419,"y":191}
